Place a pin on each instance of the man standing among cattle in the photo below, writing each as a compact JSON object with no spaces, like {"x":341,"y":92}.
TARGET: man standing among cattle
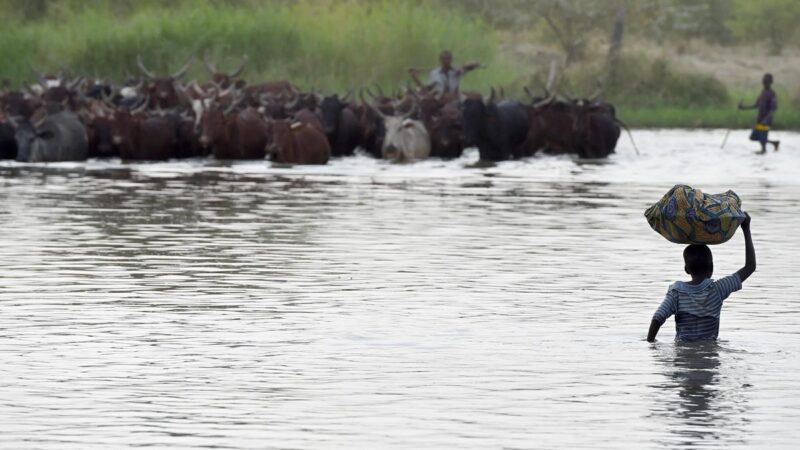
{"x":446,"y":79}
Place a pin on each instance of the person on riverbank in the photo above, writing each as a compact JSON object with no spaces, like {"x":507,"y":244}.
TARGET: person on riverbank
{"x":445,"y":79}
{"x":696,"y":304}
{"x":766,"y":105}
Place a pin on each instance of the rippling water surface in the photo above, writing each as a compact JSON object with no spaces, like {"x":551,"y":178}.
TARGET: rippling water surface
{"x":371,"y":305}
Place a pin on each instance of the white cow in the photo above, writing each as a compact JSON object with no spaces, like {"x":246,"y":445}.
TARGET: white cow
{"x":406,"y":139}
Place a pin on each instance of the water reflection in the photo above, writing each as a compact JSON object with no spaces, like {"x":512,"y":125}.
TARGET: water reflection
{"x":703,"y":398}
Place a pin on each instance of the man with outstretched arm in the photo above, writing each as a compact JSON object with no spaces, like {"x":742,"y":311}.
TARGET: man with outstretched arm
{"x":446,"y":79}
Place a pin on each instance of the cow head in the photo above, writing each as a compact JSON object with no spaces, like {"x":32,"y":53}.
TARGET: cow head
{"x":124,"y":121}
{"x":446,"y":130}
{"x":99,"y":120}
{"x":30,"y":133}
{"x":474,"y":112}
{"x":162,"y":89}
{"x":222,"y":79}
{"x":331,"y":110}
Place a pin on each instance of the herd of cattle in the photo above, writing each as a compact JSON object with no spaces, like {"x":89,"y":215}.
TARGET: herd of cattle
{"x":160,"y":117}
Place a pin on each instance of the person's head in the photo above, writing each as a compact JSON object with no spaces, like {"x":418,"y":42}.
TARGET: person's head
{"x":446,"y":59}
{"x":699,"y":261}
{"x":767,"y":80}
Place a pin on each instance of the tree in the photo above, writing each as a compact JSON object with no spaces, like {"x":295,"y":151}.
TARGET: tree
{"x":773,"y":21}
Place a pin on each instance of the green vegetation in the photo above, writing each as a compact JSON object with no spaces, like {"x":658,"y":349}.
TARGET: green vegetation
{"x":328,"y":45}
{"x":344,"y":44}
{"x":712,"y":117}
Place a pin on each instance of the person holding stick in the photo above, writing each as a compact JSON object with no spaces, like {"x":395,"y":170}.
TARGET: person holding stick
{"x":766,"y":105}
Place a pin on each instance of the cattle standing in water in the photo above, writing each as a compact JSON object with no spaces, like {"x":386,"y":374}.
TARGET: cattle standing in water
{"x":585,"y":127}
{"x":341,"y":126}
{"x":52,"y":137}
{"x":499,"y":130}
{"x":234,"y":134}
{"x":298,"y":143}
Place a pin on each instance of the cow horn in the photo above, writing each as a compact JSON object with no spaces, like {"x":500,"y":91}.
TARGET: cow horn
{"x":597,"y":93}
{"x":552,"y":76}
{"x":75,"y":83}
{"x":212,"y":69}
{"x":293,"y":104}
{"x":492,"y":95}
{"x":38,"y":118}
{"x":410,"y":112}
{"x":182,"y":71}
{"x":143,"y":69}
{"x":380,"y":90}
{"x":376,"y":111}
{"x":544,"y":102}
{"x":234,"y":104}
{"x":141,"y":107}
{"x":346,"y":97}
{"x":239,"y":71}
{"x":528,"y":92}
{"x":42,"y":80}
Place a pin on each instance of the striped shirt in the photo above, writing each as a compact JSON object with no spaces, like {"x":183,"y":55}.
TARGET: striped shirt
{"x":696,"y":307}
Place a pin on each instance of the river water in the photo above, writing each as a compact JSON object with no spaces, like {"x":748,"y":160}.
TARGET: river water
{"x":372,"y":305}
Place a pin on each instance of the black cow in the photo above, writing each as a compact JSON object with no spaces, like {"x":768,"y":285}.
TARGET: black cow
{"x":52,"y":137}
{"x":499,"y":130}
{"x":342,"y":127}
{"x":8,"y":145}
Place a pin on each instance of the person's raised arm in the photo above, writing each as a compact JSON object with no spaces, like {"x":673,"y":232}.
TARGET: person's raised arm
{"x":750,"y":252}
{"x":471,"y":66}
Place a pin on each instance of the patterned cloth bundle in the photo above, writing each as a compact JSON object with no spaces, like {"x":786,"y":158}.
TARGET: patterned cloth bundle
{"x":688,"y":216}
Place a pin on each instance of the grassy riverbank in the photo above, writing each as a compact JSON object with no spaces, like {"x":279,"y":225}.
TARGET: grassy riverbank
{"x":787,"y":117}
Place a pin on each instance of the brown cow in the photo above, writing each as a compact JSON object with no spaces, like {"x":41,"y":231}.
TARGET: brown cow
{"x":234,"y":135}
{"x":145,"y":137}
{"x":298,"y":143}
{"x":309,"y":118}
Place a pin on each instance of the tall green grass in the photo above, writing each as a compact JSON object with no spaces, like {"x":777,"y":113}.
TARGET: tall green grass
{"x":323,"y":44}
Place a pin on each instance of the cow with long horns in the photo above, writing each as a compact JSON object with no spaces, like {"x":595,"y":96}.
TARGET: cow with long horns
{"x":162,"y":90}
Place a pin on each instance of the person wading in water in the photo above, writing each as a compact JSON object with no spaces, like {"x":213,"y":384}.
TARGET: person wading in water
{"x":446,"y":79}
{"x":766,"y":105}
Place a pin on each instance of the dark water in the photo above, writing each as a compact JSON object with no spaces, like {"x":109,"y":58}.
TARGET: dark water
{"x":370,"y":305}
